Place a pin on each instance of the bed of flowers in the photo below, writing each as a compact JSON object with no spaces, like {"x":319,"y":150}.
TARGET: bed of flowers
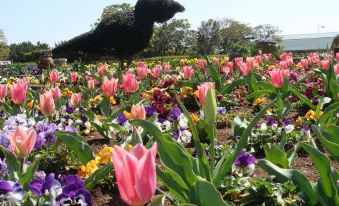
{"x":260,"y":130}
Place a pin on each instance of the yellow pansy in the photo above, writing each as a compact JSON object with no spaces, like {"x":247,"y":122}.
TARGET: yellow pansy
{"x":299,"y":122}
{"x":260,"y":101}
{"x":310,"y":115}
{"x":112,"y":101}
{"x":127,"y":114}
{"x":128,"y":147}
{"x":195,"y":118}
{"x":105,"y":155}
{"x":29,"y":105}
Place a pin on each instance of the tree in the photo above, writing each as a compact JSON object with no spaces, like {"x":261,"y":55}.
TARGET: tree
{"x":266,"y":32}
{"x":208,"y":37}
{"x":27,"y":51}
{"x":4,"y":49}
{"x":234,"y":34}
{"x":172,"y":38}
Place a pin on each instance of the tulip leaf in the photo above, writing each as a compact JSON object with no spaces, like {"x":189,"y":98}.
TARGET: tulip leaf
{"x":158,"y":200}
{"x":172,"y":156}
{"x":303,"y":98}
{"x":13,"y":164}
{"x":228,"y":89}
{"x":203,"y":193}
{"x":202,"y":157}
{"x":105,"y":106}
{"x":174,"y":183}
{"x":284,"y":175}
{"x":98,"y":175}
{"x":333,"y":147}
{"x":219,"y":174}
{"x":327,"y":185}
{"x":274,"y":154}
{"x":77,"y":145}
{"x":28,"y":175}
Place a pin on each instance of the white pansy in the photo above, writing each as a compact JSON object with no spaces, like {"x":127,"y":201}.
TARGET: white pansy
{"x":263,"y":127}
{"x":289,"y":128}
{"x":183,"y":122}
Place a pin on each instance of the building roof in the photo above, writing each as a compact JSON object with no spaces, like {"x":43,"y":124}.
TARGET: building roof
{"x":308,"y":42}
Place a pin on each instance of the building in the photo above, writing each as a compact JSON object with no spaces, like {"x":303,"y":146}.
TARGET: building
{"x":311,"y":42}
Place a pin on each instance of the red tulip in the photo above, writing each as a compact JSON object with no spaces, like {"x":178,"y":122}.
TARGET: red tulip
{"x":138,"y":112}
{"x":245,"y":70}
{"x":337,"y":56}
{"x":22,"y":141}
{"x":129,"y":83}
{"x":18,"y":92}
{"x":3,"y":90}
{"x":47,"y":105}
{"x":277,"y":77}
{"x":74,"y":77}
{"x":75,"y":99}
{"x":202,"y":90}
{"x":135,"y":173}
{"x":188,"y":72}
{"x":54,"y":76}
{"x":109,"y":87}
{"x":142,"y":71}
{"x":166,"y":66}
{"x":250,"y":62}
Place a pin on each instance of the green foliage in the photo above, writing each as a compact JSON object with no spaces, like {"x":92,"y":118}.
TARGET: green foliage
{"x":98,"y":175}
{"x":27,"y":51}
{"x":208,"y":37}
{"x":77,"y":145}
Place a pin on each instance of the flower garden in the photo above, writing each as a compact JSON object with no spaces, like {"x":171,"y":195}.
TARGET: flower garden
{"x":260,"y":130}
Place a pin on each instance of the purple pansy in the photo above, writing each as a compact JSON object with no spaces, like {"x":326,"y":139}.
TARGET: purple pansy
{"x":69,"y":128}
{"x":3,"y":168}
{"x":40,"y":186}
{"x":150,"y":111}
{"x":285,"y":121}
{"x":11,"y":193}
{"x":121,"y":119}
{"x":74,"y":192}
{"x":46,"y":134}
{"x":175,"y":113}
{"x":270,"y":121}
{"x":244,"y":159}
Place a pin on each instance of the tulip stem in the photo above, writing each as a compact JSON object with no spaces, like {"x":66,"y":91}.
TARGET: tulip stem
{"x":22,"y":163}
{"x":164,"y":193}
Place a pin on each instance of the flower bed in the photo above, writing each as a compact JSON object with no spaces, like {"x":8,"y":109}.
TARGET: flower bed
{"x":252,"y":131}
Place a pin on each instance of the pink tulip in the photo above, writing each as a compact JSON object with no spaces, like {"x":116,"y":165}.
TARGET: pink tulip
{"x":142,"y":72}
{"x":47,"y":105}
{"x":277,"y":77}
{"x":201,"y":64}
{"x":74,"y":77}
{"x":337,"y":56}
{"x":135,"y":173}
{"x":283,"y":65}
{"x":250,"y":62}
{"x":188,"y":72}
{"x":325,"y":64}
{"x":22,"y":141}
{"x":336,"y":69}
{"x":129,"y":83}
{"x":230,"y":65}
{"x":245,"y":70}
{"x":3,"y":90}
{"x":109,"y":87}
{"x":56,"y":93}
{"x":141,"y":64}
{"x":202,"y":90}
{"x":304,"y":62}
{"x":258,"y":59}
{"x":54,"y":76}
{"x":138,"y":112}
{"x":18,"y":92}
{"x":155,"y":72}
{"x":166,"y":66}
{"x":90,"y":84}
{"x":75,"y":99}
{"x":102,"y":70}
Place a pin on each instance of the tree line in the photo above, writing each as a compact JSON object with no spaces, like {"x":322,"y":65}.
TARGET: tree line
{"x":175,"y":37}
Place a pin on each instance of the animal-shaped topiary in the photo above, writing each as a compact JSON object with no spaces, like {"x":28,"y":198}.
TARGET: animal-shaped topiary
{"x":122,"y":34}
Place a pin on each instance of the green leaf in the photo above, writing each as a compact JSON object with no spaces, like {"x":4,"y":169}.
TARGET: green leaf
{"x":28,"y":175}
{"x":303,"y":98}
{"x":98,"y":175}
{"x":259,"y":93}
{"x":157,"y":200}
{"x":78,"y":146}
{"x":327,"y":185}
{"x":202,"y":157}
{"x":284,"y":175}
{"x":203,"y":193}
{"x":227,"y":164}
{"x":333,"y":147}
{"x":174,"y":183}
{"x":228,"y":89}
{"x":172,"y":156}
{"x":274,"y":154}
{"x":238,"y":126}
{"x":105,"y":106}
{"x":13,"y":164}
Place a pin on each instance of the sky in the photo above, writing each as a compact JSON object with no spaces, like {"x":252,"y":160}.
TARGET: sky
{"x":56,"y":20}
